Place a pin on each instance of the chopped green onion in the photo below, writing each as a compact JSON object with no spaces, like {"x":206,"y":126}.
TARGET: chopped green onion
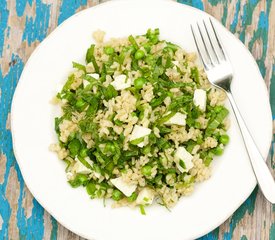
{"x":74,"y":147}
{"x":91,"y":58}
{"x":137,"y":141}
{"x":133,"y":197}
{"x":133,"y":41}
{"x":142,"y":210}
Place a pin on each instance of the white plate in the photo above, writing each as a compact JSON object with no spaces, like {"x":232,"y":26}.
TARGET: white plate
{"x":33,"y":128}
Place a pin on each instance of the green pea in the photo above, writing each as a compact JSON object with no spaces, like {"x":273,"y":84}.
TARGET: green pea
{"x":79,"y":180}
{"x":91,"y":188}
{"x":146,"y":170}
{"x":218,"y":151}
{"x":139,"y":54}
{"x":117,"y":195}
{"x":139,"y":82}
{"x":224,"y":139}
{"x":109,"y":147}
{"x":133,"y":197}
{"x":109,"y":50}
{"x":83,"y":152}
{"x":80,"y":103}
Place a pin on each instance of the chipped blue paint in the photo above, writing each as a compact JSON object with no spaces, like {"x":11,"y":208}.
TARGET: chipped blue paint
{"x":272,"y":232}
{"x":262,"y":34}
{"x":21,"y":5}
{"x":253,"y":2}
{"x":214,"y":235}
{"x":54,"y":229}
{"x":4,"y":14}
{"x":234,"y":23}
{"x":7,"y":86}
{"x":243,"y":237}
{"x":195,"y":3}
{"x":67,"y":9}
{"x":247,"y":207}
{"x":32,"y":227}
{"x":36,"y":29}
{"x":263,"y":21}
{"x":247,"y":16}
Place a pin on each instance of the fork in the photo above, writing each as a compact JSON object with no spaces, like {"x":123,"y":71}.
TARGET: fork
{"x":220,"y":74}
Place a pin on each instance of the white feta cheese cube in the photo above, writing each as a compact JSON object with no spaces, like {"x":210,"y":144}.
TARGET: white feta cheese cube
{"x":94,"y":75}
{"x":146,"y":196}
{"x":90,"y":162}
{"x":176,"y":63}
{"x":139,"y":132}
{"x":177,"y":119}
{"x":141,"y":145}
{"x":124,"y":187}
{"x":85,"y":83}
{"x":70,"y":176}
{"x":121,"y":82}
{"x":183,"y":155}
{"x":80,"y":168}
{"x":200,"y":99}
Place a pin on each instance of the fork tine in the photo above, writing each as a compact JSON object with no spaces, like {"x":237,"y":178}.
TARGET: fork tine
{"x":205,"y":46}
{"x":218,"y":40}
{"x":211,"y":43}
{"x":199,"y":50}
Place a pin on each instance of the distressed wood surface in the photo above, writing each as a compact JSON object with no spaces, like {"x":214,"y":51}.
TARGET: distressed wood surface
{"x":25,"y":23}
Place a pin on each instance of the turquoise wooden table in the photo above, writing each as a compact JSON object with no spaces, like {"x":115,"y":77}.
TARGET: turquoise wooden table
{"x":25,"y":23}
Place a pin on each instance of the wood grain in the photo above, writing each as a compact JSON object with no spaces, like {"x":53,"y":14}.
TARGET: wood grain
{"x":25,"y":23}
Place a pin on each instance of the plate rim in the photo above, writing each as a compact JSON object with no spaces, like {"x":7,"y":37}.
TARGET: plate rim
{"x":42,"y":43}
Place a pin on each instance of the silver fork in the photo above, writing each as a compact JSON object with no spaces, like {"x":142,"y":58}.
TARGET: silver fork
{"x":219,"y":72}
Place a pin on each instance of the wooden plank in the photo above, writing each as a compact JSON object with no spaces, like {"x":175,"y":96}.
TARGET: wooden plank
{"x":25,"y":23}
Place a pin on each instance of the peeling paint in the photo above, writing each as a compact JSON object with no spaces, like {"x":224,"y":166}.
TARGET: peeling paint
{"x":243,"y":237}
{"x":234,"y":23}
{"x":27,"y":204}
{"x":12,"y":195}
{"x":67,"y":9}
{"x":247,"y":207}
{"x":54,"y":229}
{"x":36,"y":28}
{"x":21,"y":5}
{"x":272,"y":232}
{"x":8,"y":122}
{"x":3,"y":161}
{"x":1,"y":222}
{"x":4,"y":14}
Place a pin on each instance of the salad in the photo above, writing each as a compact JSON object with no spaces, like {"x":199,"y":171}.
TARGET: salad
{"x":140,"y":123}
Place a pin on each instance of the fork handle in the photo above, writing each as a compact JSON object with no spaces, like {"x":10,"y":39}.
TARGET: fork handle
{"x":261,"y":170}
